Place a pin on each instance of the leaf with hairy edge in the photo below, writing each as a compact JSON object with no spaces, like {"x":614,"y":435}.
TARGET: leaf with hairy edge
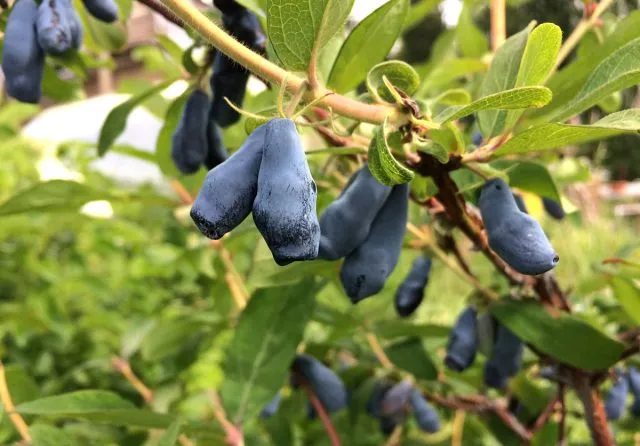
{"x":445,"y":71}
{"x":538,"y":60}
{"x":553,"y":136}
{"x":298,"y":30}
{"x":399,"y":74}
{"x":618,"y":71}
{"x":170,"y":436}
{"x":75,"y":403}
{"x":455,"y":96}
{"x":516,"y":98}
{"x":116,"y":120}
{"x":384,"y":167}
{"x":368,"y":44}
{"x":264,"y":346}
{"x":502,"y":76}
{"x":564,"y":337}
{"x":628,"y":294}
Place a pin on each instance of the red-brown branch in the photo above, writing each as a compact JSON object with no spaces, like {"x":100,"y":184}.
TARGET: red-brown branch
{"x":593,"y":410}
{"x":546,"y":413}
{"x":319,"y":408}
{"x":163,"y":10}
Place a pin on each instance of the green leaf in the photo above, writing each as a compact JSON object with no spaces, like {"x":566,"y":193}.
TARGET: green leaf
{"x":164,"y":141}
{"x":432,"y":148}
{"x":470,"y":39}
{"x":553,"y":136}
{"x":566,"y":338}
{"x":538,"y":60}
{"x":298,"y":30}
{"x":75,"y":403}
{"x":502,"y":76}
{"x":618,"y":71}
{"x":566,"y":83}
{"x":628,"y":294}
{"x":516,"y":98}
{"x":368,"y":44}
{"x":45,"y":435}
{"x":446,"y":71}
{"x":264,"y":345}
{"x":419,"y":11}
{"x":423,"y":188}
{"x":384,"y":167}
{"x":116,"y":120}
{"x":399,"y":74}
{"x":455,"y":96}
{"x":410,"y":355}
{"x":52,"y":196}
{"x":530,"y":176}
{"x":167,"y":338}
{"x":170,"y":436}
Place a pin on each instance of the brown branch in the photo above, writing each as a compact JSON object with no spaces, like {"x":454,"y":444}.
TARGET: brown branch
{"x":375,"y":345}
{"x":546,"y":413}
{"x":9,"y":408}
{"x":563,"y":415}
{"x":479,"y":404}
{"x":163,"y":10}
{"x":593,"y":410}
{"x":234,"y":434}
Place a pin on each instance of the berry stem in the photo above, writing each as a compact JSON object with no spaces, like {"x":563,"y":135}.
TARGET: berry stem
{"x":345,"y":106}
{"x":9,"y":408}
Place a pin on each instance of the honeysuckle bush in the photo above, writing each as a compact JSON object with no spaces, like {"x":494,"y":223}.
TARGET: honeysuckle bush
{"x":137,"y":330}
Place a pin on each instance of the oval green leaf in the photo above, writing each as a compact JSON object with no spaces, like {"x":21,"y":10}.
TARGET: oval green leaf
{"x":566,"y":338}
{"x":368,"y":44}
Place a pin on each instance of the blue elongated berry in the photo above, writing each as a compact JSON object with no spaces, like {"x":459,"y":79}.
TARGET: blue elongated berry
{"x":549,"y":372}
{"x":365,"y":271}
{"x":103,"y":10}
{"x":216,"y":151}
{"x":53,"y":27}
{"x":520,"y":203}
{"x":424,"y":413}
{"x":323,"y":382}
{"x":634,"y":385}
{"x":516,"y":237}
{"x":396,"y":399}
{"x":374,"y":403}
{"x":463,"y":341}
{"x":476,"y":139}
{"x":284,"y":210}
{"x":505,"y":360}
{"x":272,"y":407}
{"x":189,"y":143}
{"x":228,"y":192}
{"x":75,"y":25}
{"x":229,"y":80}
{"x":411,"y":292}
{"x":22,"y":57}
{"x":228,"y":6}
{"x":553,"y":208}
{"x":616,"y":399}
{"x":345,"y":223}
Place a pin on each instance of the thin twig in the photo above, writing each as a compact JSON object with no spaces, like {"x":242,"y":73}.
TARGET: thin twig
{"x":375,"y":345}
{"x":458,"y":428}
{"x":163,"y":10}
{"x":324,"y":416}
{"x":546,"y":413}
{"x":563,"y":415}
{"x":234,"y":434}
{"x":395,"y":437}
{"x":498,"y":24}
{"x":593,"y":410}
{"x":9,"y":408}
{"x":122,"y":366}
{"x":578,"y":33}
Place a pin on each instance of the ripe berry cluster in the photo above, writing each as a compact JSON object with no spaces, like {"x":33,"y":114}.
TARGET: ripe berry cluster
{"x":33,"y":31}
{"x":198,"y":140}
{"x":616,"y":400}
{"x":506,"y":348}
